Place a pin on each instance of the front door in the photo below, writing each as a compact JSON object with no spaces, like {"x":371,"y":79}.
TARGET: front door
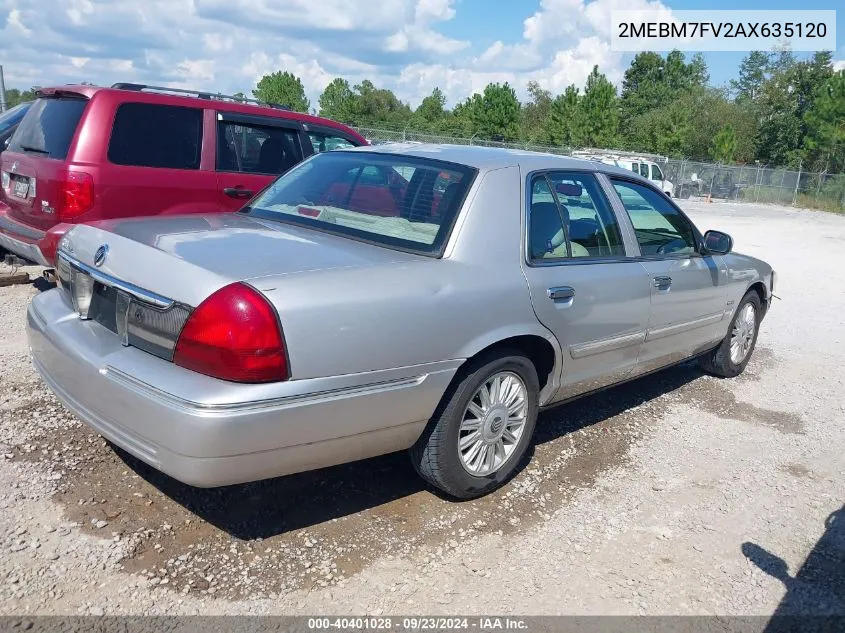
{"x":583,"y":287}
{"x":251,"y":152}
{"x":688,"y":290}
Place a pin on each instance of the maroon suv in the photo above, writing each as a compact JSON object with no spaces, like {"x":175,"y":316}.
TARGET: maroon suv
{"x":85,"y":153}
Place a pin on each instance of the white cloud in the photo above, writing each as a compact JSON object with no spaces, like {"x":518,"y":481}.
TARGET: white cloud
{"x":839,"y":65}
{"x":15,"y":23}
{"x":227,"y":45}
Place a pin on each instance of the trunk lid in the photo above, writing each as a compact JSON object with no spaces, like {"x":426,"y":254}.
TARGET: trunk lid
{"x":186,"y":258}
{"x":35,"y":164}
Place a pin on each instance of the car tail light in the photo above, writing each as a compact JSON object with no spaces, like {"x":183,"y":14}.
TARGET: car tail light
{"x":234,"y":335}
{"x":76,"y":195}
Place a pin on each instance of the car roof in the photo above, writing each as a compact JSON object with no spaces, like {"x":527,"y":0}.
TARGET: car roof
{"x":489,"y":158}
{"x":186,"y":100}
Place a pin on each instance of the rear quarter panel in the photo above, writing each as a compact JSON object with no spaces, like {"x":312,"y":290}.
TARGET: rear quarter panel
{"x":387,"y":316}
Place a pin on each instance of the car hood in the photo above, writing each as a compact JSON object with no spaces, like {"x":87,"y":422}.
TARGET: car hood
{"x":239,"y":247}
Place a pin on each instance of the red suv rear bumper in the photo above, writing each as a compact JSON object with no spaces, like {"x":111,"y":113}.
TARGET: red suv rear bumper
{"x":27,"y":242}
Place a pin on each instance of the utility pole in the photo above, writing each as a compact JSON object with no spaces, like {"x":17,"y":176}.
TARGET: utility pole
{"x":2,"y":92}
{"x":797,"y":182}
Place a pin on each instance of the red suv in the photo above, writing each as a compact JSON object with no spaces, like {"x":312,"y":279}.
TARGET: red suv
{"x":85,"y":153}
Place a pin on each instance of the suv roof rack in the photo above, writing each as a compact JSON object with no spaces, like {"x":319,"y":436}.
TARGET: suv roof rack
{"x":199,"y":94}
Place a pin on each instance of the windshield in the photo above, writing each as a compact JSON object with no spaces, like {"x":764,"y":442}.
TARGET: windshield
{"x":394,"y":200}
{"x":13,"y":116}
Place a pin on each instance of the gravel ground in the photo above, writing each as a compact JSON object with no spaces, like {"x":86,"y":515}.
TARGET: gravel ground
{"x":675,"y":494}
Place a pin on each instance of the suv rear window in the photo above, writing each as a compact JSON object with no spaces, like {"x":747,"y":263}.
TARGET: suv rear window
{"x":150,"y":135}
{"x":49,"y":126}
{"x":397,"y":201}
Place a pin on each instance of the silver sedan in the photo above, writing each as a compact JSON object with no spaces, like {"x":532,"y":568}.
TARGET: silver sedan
{"x":422,"y":297}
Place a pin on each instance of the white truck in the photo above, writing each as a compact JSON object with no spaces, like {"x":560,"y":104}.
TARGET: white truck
{"x":644,"y":165}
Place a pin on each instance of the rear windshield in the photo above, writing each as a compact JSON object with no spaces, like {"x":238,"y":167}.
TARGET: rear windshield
{"x":12,"y":116}
{"x":49,"y":126}
{"x":397,"y":201}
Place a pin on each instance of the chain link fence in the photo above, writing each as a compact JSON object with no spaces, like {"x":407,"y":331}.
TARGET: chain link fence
{"x":691,"y":179}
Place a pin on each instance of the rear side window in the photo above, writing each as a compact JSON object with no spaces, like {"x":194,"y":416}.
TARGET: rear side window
{"x":570,"y":217}
{"x":49,"y":126}
{"x":150,"y":135}
{"x":397,"y":201}
{"x":326,"y":142}
{"x":256,"y":149}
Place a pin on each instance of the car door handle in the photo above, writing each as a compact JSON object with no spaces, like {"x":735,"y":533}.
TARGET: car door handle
{"x":561,"y":293}
{"x":662,"y":283}
{"x":238,"y":192}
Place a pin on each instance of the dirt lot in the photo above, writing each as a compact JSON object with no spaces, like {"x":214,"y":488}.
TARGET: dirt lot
{"x":678,"y":493}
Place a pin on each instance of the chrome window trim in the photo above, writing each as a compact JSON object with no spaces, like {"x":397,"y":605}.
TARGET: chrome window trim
{"x":152,"y":298}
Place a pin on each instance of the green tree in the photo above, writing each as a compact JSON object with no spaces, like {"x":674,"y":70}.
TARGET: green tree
{"x":724,"y":145}
{"x":15,"y":96}
{"x":535,"y":114}
{"x":825,"y":122}
{"x":337,"y":101}
{"x":497,"y":113}
{"x":283,"y":88}
{"x":643,"y":88}
{"x":462,"y":119}
{"x":378,"y":106}
{"x":564,"y":117}
{"x":653,"y":82}
{"x":711,"y":109}
{"x":752,"y":74}
{"x":599,"y":114}
{"x":432,"y":108}
{"x":785,"y":99}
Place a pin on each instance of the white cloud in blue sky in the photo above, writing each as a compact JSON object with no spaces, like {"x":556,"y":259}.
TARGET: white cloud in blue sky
{"x":227,"y":45}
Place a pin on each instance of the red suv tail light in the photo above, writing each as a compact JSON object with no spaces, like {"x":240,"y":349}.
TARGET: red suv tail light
{"x":234,"y":335}
{"x":76,"y":195}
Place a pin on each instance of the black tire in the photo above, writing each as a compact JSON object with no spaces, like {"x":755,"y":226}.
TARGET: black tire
{"x":718,"y":361}
{"x":435,"y":454}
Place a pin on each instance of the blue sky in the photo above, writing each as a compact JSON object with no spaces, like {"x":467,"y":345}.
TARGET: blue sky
{"x":409,"y":46}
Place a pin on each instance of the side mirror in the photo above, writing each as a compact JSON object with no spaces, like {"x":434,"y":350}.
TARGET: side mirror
{"x":718,"y":243}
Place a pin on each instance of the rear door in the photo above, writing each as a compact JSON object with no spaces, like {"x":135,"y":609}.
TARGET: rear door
{"x":34,"y":166}
{"x":252,"y":151}
{"x":584,"y":287}
{"x":688,"y":290}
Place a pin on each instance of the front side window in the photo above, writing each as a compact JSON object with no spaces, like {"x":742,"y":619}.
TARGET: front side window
{"x":570,"y":217}
{"x":256,"y":149}
{"x":656,"y":174}
{"x":660,"y":228}
{"x":644,"y":170}
{"x":152,"y":135}
{"x":393,"y":200}
{"x":327,"y":142}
